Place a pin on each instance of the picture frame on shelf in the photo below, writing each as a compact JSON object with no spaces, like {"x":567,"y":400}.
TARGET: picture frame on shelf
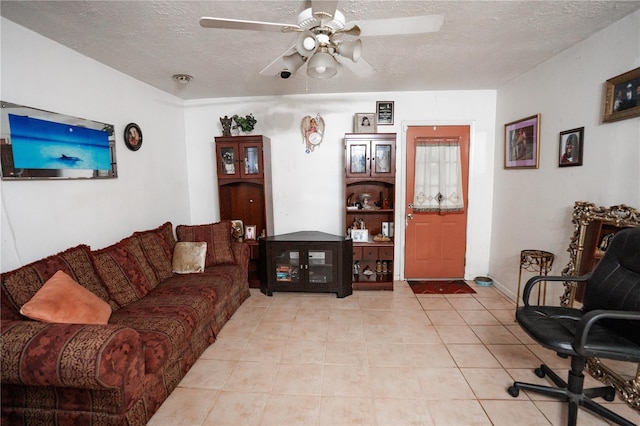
{"x":571,"y":146}
{"x":360,"y":235}
{"x":250,"y":232}
{"x":365,"y":122}
{"x":622,"y":97}
{"x":522,"y":143}
{"x":384,"y":113}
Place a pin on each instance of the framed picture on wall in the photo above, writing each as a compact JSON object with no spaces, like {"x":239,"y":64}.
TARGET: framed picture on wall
{"x":522,"y":143}
{"x":365,"y":122}
{"x":622,"y":97}
{"x":384,"y":113}
{"x":571,"y":147}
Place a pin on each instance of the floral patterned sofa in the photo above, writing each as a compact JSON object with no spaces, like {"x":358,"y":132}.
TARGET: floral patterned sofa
{"x":157,"y":324}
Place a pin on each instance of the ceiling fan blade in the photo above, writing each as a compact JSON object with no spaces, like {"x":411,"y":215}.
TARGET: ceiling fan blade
{"x":278,"y":64}
{"x":399,"y":26}
{"x":324,"y":6}
{"x":360,"y":68}
{"x":240,"y":24}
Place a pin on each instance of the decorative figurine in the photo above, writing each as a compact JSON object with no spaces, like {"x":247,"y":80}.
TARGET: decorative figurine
{"x":226,"y":126}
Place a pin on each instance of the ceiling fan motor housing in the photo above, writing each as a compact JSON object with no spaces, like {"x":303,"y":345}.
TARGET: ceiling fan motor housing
{"x":307,"y":20}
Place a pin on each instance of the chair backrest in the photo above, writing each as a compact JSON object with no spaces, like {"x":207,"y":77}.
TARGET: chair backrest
{"x":615,"y":281}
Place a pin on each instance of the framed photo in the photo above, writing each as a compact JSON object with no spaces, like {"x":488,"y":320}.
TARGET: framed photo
{"x":360,"y":235}
{"x":522,"y":143}
{"x":622,"y":97}
{"x":384,"y":113}
{"x":365,"y":123}
{"x":571,"y":147}
{"x":250,"y":232}
{"x":133,"y":136}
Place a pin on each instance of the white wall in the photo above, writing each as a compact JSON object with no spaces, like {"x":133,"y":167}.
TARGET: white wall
{"x":532,"y":208}
{"x":40,"y":218}
{"x":308,"y":189}
{"x":172,"y":177}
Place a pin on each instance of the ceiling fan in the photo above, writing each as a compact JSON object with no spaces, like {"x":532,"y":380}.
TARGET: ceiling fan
{"x":319,"y":43}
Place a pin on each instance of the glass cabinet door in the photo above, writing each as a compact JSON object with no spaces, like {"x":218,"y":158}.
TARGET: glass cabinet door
{"x":320,"y":264}
{"x":252,"y":158}
{"x":384,"y":160}
{"x":358,"y":159}
{"x":240,"y":160}
{"x":304,"y":268}
{"x":287,"y":267}
{"x":228,"y":160}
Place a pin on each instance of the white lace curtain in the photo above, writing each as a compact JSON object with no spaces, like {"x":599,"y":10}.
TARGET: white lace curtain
{"x":438,"y":176}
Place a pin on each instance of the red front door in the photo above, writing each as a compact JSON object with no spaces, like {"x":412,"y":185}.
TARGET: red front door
{"x":435,"y":244}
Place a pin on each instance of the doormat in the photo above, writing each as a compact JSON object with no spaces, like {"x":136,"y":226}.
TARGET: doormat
{"x":440,"y":287}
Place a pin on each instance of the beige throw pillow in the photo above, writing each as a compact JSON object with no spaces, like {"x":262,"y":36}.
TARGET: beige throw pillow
{"x":61,"y":299}
{"x":189,"y":257}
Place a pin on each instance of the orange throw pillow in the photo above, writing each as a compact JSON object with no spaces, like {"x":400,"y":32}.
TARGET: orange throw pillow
{"x":63,"y":300}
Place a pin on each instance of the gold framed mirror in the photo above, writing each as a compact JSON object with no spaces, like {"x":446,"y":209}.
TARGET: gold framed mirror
{"x":593,"y":228}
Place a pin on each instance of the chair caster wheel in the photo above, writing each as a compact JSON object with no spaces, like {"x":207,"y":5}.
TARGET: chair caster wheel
{"x":539,"y":372}
{"x":513,"y":391}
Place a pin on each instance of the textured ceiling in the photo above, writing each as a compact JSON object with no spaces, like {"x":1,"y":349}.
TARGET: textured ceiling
{"x":482,"y":44}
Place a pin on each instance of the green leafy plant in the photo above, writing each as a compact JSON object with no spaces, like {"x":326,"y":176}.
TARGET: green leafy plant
{"x":246,"y":123}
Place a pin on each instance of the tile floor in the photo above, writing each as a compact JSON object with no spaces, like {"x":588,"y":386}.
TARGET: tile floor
{"x":373,"y":358}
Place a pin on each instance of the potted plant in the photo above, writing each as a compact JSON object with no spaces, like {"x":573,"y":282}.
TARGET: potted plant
{"x":246,"y":123}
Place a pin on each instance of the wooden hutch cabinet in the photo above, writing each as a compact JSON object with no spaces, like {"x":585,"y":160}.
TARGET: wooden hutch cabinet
{"x":244,"y":188}
{"x":370,"y":161}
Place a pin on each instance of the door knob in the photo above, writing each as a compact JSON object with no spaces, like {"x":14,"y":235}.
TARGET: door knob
{"x":410,"y":216}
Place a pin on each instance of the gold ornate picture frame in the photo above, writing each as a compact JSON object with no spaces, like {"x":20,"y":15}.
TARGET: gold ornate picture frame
{"x":622,"y":97}
{"x":624,"y":377}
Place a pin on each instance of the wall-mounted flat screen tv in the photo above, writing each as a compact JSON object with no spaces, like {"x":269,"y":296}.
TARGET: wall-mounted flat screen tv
{"x":37,"y":144}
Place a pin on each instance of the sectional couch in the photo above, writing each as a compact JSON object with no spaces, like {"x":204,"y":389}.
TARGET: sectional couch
{"x":137,"y":330}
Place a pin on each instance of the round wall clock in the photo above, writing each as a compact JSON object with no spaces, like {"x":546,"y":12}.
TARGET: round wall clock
{"x":133,"y":136}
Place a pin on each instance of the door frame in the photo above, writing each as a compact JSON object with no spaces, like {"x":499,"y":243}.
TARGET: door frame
{"x":401,"y":188}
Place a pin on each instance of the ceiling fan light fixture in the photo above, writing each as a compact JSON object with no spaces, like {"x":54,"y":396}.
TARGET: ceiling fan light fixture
{"x":351,"y":49}
{"x":322,"y":65}
{"x":293,"y":62}
{"x":306,"y":43}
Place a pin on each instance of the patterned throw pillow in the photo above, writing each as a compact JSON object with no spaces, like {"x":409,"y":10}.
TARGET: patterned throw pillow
{"x":61,"y":299}
{"x":20,"y":285}
{"x":125,"y":270}
{"x":216,"y":235}
{"x":158,"y":245}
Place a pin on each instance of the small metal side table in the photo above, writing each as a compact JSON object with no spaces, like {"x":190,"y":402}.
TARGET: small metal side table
{"x":535,"y":261}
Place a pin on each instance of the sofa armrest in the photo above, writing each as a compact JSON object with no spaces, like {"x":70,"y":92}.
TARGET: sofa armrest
{"x":241,"y":253}
{"x":72,"y":355}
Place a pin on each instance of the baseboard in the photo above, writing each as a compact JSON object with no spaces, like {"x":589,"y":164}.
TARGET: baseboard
{"x":504,"y":290}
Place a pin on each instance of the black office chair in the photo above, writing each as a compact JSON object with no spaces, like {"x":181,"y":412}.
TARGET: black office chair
{"x":607,"y":326}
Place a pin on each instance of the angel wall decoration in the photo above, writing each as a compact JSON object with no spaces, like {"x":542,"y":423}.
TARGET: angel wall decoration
{"x":312,"y":129}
